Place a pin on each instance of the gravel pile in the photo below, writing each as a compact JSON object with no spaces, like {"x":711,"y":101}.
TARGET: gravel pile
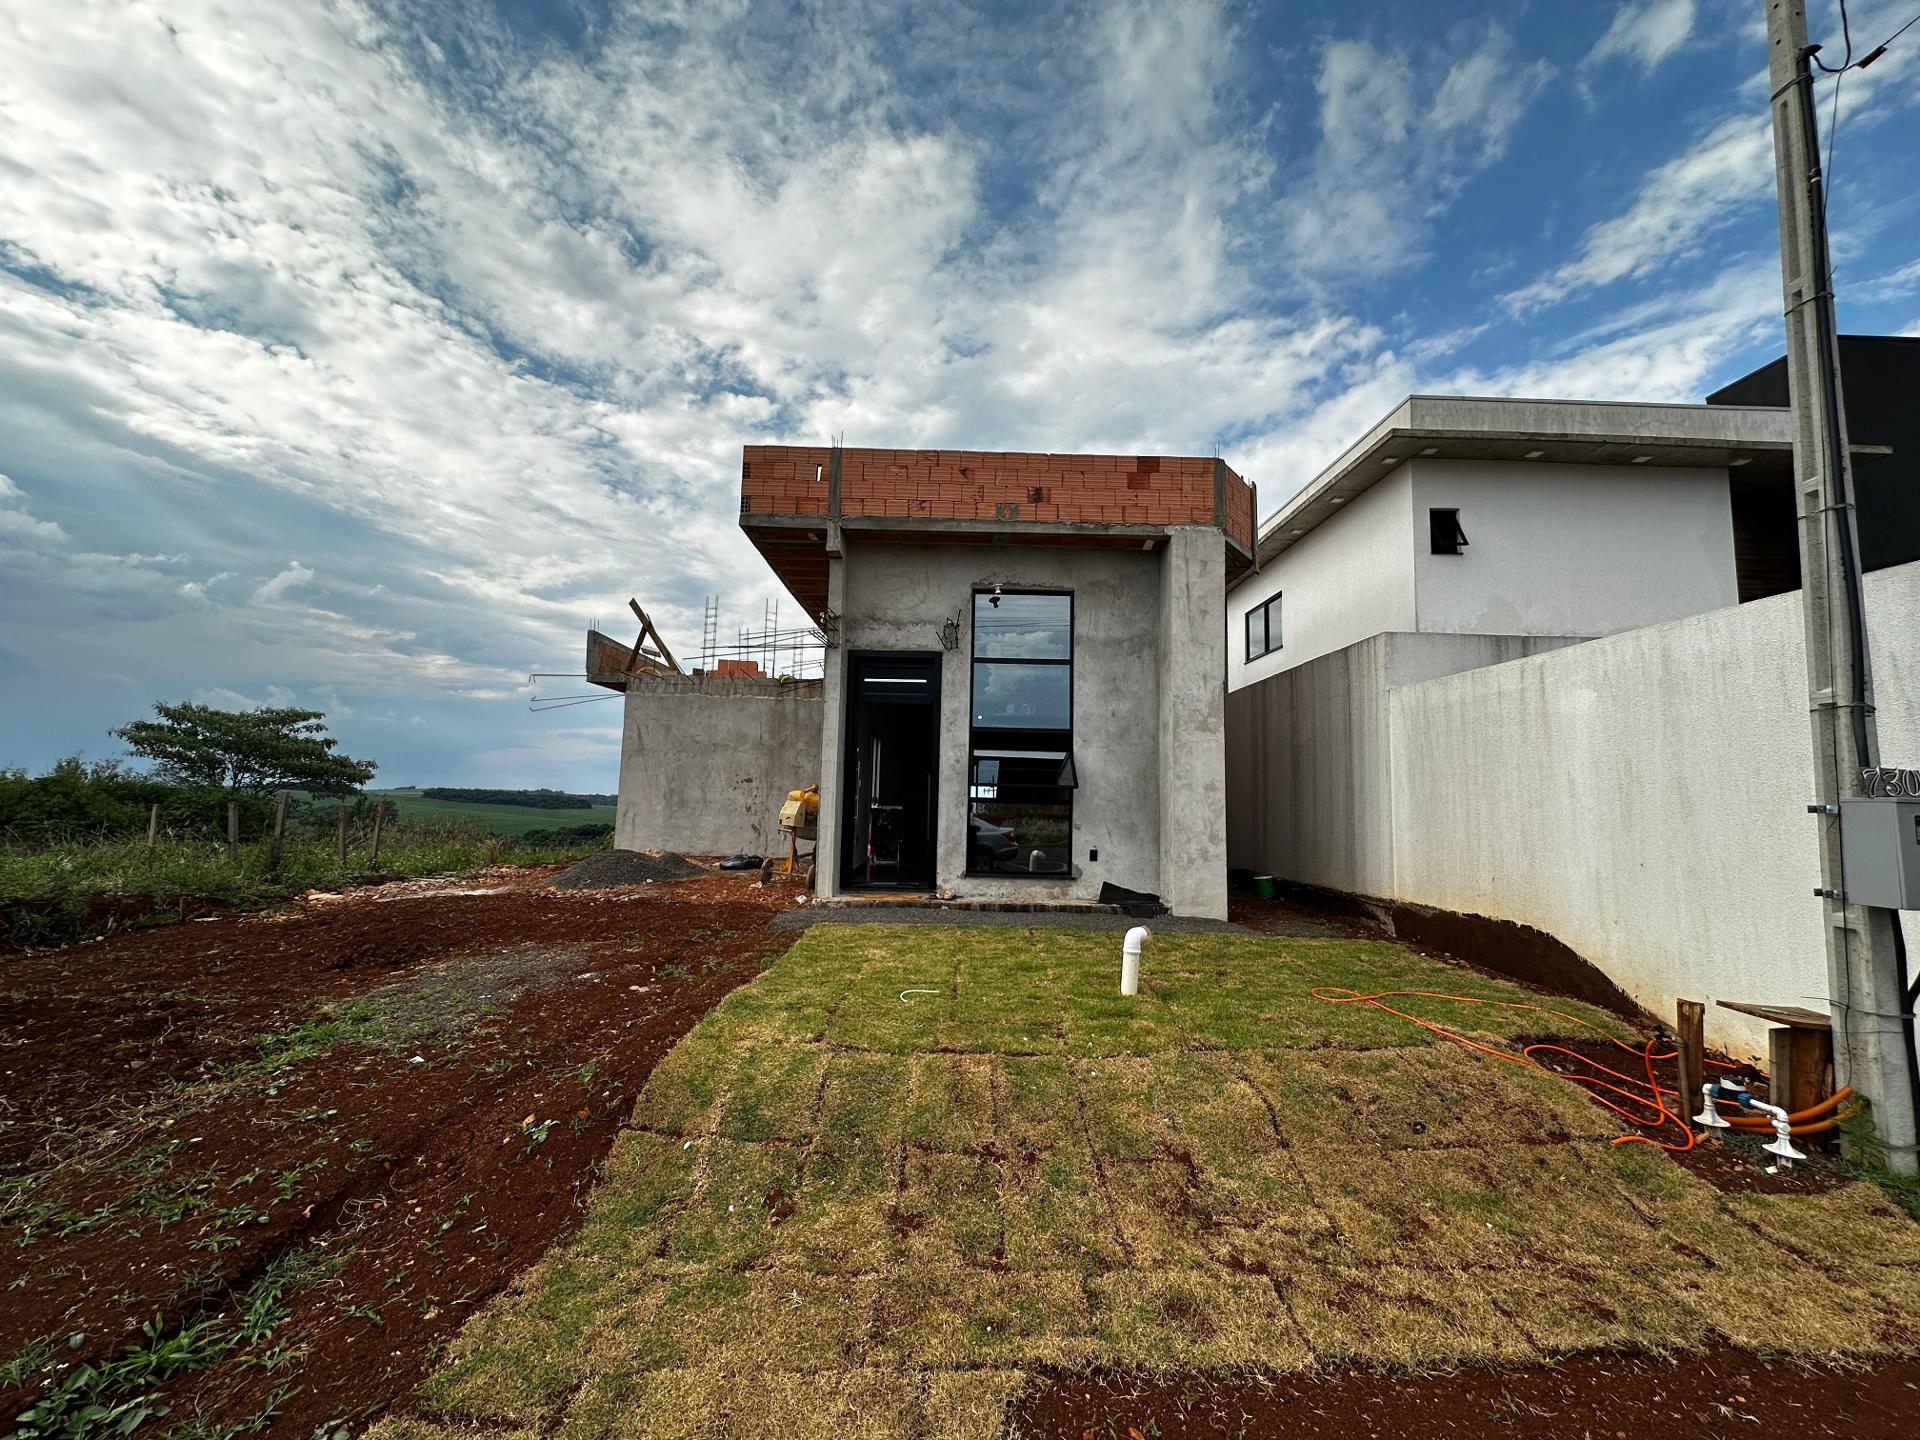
{"x":625,"y":867}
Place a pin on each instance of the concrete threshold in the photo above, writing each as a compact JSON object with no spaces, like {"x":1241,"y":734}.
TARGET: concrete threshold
{"x":934,"y":902}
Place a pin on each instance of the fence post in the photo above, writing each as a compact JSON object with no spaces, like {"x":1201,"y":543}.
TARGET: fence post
{"x":379,"y":816}
{"x":279,"y":825}
{"x":233,"y":830}
{"x":340,"y":839}
{"x":1692,"y":1017}
{"x":153,"y":825}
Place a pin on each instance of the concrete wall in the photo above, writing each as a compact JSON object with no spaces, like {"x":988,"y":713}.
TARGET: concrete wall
{"x":1570,"y":549}
{"x":706,"y":764}
{"x":1309,"y":756}
{"x":1343,"y":582}
{"x":895,"y":597}
{"x":1639,"y":797}
{"x":1192,"y":724}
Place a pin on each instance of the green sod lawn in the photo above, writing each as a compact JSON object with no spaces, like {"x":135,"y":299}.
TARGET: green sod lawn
{"x":843,"y":1213}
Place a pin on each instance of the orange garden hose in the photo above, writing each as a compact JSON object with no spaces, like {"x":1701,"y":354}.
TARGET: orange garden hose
{"x":1798,"y":1116}
{"x":1648,"y":1094}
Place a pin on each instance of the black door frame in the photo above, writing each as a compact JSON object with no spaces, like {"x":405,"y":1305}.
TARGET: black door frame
{"x":934,"y":661}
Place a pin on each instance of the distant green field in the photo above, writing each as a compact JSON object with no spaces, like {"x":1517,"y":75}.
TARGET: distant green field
{"x":500,"y":819}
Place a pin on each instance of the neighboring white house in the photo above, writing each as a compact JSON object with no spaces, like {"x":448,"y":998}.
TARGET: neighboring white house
{"x":1460,"y":516}
{"x":1566,"y":721}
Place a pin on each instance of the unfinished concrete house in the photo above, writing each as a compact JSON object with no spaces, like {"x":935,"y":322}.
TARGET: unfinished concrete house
{"x":705,"y":759}
{"x":1023,"y":692}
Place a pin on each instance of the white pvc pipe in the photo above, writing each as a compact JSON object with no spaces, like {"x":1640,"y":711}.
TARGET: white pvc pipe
{"x":1709,"y":1116}
{"x":1130,"y":959}
{"x":1782,"y":1145}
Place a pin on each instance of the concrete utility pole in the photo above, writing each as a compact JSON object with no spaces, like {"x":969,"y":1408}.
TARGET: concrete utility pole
{"x":1865,"y":958}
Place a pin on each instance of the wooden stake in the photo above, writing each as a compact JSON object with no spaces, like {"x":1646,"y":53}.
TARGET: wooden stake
{"x":1800,"y":1066}
{"x":379,"y":816}
{"x":153,"y":826}
{"x":1692,"y":1028}
{"x":340,"y":839}
{"x":279,"y":826}
{"x":233,"y":830}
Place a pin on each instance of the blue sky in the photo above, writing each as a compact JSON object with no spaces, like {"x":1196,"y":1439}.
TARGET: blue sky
{"x":359,"y":355}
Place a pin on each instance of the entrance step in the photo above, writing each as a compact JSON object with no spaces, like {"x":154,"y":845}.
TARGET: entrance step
{"x":934,"y":902}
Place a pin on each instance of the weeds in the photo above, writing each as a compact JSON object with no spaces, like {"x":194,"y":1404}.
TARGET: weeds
{"x":34,"y":1357}
{"x":44,"y":891}
{"x":288,"y":1181}
{"x":1866,"y":1159}
{"x":114,"y":1397}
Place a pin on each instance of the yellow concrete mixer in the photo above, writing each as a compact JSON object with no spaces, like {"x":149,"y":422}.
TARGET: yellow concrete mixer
{"x":800,"y":820}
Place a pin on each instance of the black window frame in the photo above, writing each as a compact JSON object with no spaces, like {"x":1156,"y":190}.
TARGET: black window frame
{"x":1270,"y":616}
{"x":1010,"y":738}
{"x":1444,"y":535}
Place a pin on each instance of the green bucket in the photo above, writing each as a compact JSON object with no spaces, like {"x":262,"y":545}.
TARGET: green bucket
{"x":1263,"y":886}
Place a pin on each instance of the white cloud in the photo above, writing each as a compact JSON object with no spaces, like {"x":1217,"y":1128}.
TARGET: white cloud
{"x":221,"y":698}
{"x":1396,"y":148}
{"x":1895,"y":284}
{"x":488,"y":335}
{"x":1668,"y":348}
{"x":291,"y":578}
{"x":1645,"y":34}
{"x":1678,"y":207}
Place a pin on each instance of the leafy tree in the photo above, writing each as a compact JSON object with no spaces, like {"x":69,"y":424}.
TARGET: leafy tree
{"x":77,"y":800}
{"x":245,"y":751}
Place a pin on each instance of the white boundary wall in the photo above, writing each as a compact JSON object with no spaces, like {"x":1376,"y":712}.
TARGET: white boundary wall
{"x":1641,"y":797}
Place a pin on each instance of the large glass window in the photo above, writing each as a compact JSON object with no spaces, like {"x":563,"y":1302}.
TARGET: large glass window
{"x":1020,"y":778}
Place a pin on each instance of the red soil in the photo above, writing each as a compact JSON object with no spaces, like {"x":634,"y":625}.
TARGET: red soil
{"x":1719,"y":1392}
{"x":433,"y":1182}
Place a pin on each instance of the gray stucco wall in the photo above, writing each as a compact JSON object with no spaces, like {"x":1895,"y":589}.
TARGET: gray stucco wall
{"x":897,"y":597}
{"x":704,"y":766}
{"x":1192,"y":723}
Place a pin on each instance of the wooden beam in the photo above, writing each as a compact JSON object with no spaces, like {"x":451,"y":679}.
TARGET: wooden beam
{"x":1797,"y":1016}
{"x":1801,"y":1066}
{"x":1691,"y":1025}
{"x":647,"y":629}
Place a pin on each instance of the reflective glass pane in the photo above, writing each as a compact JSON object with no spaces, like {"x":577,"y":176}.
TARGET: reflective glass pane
{"x":1022,"y":697}
{"x":1011,"y":837}
{"x":1023,"y":627}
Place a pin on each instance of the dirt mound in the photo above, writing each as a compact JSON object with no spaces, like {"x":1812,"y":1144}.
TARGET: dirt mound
{"x":625,"y":867}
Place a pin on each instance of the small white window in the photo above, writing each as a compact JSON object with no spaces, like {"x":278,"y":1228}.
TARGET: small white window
{"x":1263,"y":629}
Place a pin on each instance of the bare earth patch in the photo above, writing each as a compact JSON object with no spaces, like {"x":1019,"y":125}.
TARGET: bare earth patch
{"x":254,"y":1170}
{"x":844,"y":1206}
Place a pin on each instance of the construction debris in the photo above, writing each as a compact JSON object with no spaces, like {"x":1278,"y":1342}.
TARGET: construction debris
{"x":612,"y":868}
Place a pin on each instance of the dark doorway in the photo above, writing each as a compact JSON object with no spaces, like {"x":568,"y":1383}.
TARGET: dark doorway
{"x":893,"y":745}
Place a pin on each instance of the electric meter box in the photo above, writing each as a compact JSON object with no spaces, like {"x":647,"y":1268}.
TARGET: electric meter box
{"x":1881,"y":839}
